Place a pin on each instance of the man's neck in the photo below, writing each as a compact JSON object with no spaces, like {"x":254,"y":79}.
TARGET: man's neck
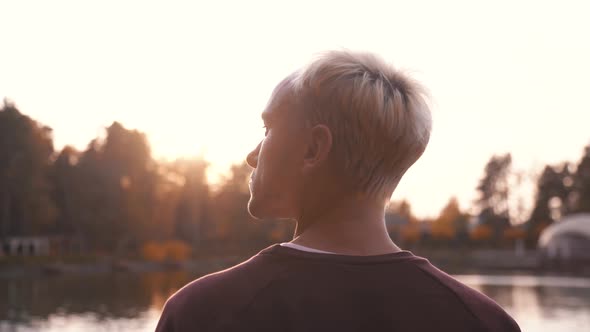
{"x":351,"y":226}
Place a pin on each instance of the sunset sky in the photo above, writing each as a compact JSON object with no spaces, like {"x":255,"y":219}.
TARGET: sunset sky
{"x":505,"y":76}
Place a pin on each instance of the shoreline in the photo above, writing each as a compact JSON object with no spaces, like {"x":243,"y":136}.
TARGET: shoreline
{"x":451,"y":261}
{"x":108,"y":266}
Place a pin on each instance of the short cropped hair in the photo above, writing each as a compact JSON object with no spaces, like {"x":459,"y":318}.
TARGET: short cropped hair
{"x":378,"y":116}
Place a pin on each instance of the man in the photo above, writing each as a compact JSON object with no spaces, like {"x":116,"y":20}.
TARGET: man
{"x":340,"y":134}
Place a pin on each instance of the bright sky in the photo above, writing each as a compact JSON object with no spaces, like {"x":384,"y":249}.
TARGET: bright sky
{"x":505,"y":76}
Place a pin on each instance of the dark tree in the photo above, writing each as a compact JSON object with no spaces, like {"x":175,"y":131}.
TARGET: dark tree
{"x":191,"y":212}
{"x":116,"y":182}
{"x":493,"y":195}
{"x":26,"y":146}
{"x":64,"y":176}
{"x":581,"y":199}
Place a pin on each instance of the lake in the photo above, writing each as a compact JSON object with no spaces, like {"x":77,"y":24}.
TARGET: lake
{"x":132,"y":302}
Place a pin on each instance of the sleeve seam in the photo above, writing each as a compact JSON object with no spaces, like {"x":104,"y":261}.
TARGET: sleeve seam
{"x":465,"y":306}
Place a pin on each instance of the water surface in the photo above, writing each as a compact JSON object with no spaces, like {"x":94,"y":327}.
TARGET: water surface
{"x":132,"y":302}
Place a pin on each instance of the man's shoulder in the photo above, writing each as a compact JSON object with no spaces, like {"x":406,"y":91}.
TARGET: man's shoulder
{"x":200,"y":302}
{"x":485,"y":310}
{"x":218,"y":283}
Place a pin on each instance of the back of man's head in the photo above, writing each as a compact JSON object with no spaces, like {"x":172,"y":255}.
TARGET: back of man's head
{"x":378,"y":116}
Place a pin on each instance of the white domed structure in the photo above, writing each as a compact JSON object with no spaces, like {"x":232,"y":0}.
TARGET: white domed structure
{"x":568,"y":239}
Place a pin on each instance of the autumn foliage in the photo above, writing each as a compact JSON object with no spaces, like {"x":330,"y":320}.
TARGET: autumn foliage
{"x":172,"y":251}
{"x":481,"y":233}
{"x":113,"y":197}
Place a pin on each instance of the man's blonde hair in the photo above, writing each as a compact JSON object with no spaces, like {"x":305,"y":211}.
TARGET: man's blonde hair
{"x":378,"y":116}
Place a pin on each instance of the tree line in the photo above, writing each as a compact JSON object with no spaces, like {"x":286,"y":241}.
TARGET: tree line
{"x":499,"y":220}
{"x":115,"y":197}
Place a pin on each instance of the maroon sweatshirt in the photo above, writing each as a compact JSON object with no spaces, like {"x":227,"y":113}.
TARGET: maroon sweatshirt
{"x":284,"y":289}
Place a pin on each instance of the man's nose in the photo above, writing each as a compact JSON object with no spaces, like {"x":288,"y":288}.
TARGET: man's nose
{"x":252,"y":158}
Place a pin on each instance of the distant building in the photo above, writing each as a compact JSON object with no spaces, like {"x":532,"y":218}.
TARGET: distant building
{"x":25,"y":246}
{"x":567,"y":241}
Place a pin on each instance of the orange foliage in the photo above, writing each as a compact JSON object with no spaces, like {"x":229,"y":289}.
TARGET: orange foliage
{"x":481,"y":233}
{"x":153,"y":251}
{"x":410,"y":233}
{"x":171,"y":250}
{"x":514,"y":233}
{"x":442,"y":230}
{"x":444,"y":227}
{"x":177,"y":250}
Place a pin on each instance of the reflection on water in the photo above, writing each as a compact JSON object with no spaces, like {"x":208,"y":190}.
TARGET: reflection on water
{"x":132,"y":302}
{"x":543,"y":303}
{"x":107,"y":302}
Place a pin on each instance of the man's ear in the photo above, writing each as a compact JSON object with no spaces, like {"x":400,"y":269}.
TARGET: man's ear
{"x":318,"y":147}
